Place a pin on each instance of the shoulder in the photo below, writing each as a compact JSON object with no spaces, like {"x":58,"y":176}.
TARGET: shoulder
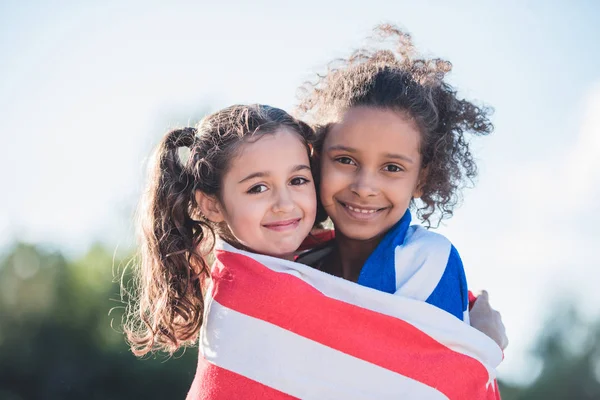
{"x":451,"y":292}
{"x":431,"y":248}
{"x":431,"y":244}
{"x":419,"y":236}
{"x":421,"y":244}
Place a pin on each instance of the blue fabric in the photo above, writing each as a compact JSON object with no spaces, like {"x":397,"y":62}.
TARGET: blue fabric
{"x":452,"y":282}
{"x":379,"y":271}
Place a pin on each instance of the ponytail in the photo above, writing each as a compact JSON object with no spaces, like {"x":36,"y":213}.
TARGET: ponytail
{"x":172,"y":266}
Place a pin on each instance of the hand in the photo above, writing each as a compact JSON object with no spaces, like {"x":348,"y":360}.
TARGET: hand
{"x":487,"y":320}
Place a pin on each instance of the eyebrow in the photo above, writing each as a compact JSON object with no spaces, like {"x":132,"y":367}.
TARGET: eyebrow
{"x":262,"y":174}
{"x":387,"y":155}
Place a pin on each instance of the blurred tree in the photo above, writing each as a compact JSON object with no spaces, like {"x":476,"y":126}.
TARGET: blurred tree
{"x":56,"y":340}
{"x":569,"y":349}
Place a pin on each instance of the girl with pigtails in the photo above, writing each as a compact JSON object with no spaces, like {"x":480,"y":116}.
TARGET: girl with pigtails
{"x":216,"y":194}
{"x":378,"y":311}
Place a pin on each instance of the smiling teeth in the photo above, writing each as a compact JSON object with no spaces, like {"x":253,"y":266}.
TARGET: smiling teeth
{"x":360,"y":211}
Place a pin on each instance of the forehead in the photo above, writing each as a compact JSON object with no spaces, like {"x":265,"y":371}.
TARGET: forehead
{"x":367,"y":128}
{"x":272,"y":152}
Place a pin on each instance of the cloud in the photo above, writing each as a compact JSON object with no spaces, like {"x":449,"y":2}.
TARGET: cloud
{"x":583,"y":175}
{"x":532,"y":234}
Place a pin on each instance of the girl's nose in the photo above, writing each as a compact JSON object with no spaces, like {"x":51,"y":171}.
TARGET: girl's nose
{"x":283,"y":202}
{"x":364,"y":184}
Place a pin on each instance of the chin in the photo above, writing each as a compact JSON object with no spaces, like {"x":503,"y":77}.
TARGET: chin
{"x":364,"y":236}
{"x":284,"y":251}
{"x":282,"y":255}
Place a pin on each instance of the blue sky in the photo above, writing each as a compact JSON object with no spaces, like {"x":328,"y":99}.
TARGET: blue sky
{"x":86,"y":89}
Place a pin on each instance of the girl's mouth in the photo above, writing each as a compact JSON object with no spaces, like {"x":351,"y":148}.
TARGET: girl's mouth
{"x":361,"y":212}
{"x":285,"y":225}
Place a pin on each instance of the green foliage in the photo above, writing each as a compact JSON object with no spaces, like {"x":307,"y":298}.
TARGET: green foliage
{"x":569,"y":349}
{"x":56,"y":340}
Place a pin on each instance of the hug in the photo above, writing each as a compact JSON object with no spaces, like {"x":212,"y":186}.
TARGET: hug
{"x":283,"y":246}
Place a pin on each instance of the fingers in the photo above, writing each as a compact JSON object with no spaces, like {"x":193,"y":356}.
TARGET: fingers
{"x":483,"y":294}
{"x":501,"y":330}
{"x":502,"y":338}
{"x":504,"y":343}
{"x":487,"y":320}
{"x":482,"y":302}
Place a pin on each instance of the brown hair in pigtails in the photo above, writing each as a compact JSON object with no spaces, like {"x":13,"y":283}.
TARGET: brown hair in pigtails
{"x":171,"y":268}
{"x":174,"y":238}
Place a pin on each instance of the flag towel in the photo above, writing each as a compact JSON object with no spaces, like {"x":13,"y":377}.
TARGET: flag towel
{"x":276,"y":329}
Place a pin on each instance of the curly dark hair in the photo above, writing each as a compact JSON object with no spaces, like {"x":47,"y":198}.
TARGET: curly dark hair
{"x":166,"y":310}
{"x":397,"y":78}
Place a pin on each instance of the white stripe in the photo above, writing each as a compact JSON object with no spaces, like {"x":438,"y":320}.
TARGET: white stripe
{"x":296,"y":365}
{"x":420,"y":262}
{"x":437,"y":323}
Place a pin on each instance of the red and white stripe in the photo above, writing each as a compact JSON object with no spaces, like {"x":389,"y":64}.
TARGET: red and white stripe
{"x":278,"y":329}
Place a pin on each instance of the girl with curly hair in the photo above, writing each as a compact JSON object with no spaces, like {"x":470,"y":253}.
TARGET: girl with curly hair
{"x":392,"y":135}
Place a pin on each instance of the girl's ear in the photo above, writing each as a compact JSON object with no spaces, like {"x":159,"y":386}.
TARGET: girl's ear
{"x":418,"y":192}
{"x":209,"y":206}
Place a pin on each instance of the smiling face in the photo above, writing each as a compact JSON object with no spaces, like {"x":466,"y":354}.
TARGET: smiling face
{"x":370,"y":167}
{"x":268,"y":197}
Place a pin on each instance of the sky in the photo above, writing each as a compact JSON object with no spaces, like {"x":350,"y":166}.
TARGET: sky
{"x":87,"y":88}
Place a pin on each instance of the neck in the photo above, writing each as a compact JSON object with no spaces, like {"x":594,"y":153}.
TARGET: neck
{"x":351,"y":254}
{"x":239,"y":246}
{"x":289,"y":257}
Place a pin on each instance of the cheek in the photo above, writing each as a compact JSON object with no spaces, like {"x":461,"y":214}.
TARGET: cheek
{"x":413,"y":183}
{"x":307,"y":201}
{"x":332,"y":180}
{"x":244,"y":214}
{"x":400,"y":192}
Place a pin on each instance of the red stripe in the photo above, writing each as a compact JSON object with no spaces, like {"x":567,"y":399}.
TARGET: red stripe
{"x":472,"y":300}
{"x":245,"y":285}
{"x":215,"y":383}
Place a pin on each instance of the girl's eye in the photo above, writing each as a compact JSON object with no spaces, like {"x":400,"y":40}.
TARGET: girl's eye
{"x":299,"y":181}
{"x":345,"y":160}
{"x":257,"y":189}
{"x":393,"y":168}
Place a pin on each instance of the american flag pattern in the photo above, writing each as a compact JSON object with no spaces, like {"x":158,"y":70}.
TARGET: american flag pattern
{"x":276,"y":329}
